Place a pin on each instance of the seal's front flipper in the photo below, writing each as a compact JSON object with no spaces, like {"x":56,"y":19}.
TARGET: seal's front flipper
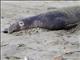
{"x":70,"y":26}
{"x":75,"y":29}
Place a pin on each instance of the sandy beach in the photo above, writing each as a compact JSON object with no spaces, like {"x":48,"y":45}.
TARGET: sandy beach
{"x":37,"y":44}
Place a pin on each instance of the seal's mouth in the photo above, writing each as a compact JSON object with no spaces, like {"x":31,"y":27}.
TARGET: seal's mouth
{"x":7,"y":31}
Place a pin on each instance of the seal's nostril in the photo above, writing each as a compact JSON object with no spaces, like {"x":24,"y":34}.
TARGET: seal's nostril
{"x":5,"y":31}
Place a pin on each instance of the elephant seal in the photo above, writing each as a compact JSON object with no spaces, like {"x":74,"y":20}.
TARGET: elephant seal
{"x":60,"y":18}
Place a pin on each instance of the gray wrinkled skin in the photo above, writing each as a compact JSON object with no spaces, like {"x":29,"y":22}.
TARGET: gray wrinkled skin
{"x":62,"y":18}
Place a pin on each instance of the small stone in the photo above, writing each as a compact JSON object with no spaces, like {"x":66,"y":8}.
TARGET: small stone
{"x":67,"y":51}
{"x":21,"y":45}
{"x":58,"y":58}
{"x":26,"y":58}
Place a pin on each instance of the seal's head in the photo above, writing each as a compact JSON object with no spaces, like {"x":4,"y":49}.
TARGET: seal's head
{"x":14,"y":27}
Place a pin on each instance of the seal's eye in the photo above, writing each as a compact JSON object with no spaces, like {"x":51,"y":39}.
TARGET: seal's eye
{"x":21,"y":23}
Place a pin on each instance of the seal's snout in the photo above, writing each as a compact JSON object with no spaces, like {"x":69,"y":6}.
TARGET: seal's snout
{"x":11,"y":28}
{"x":5,"y":31}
